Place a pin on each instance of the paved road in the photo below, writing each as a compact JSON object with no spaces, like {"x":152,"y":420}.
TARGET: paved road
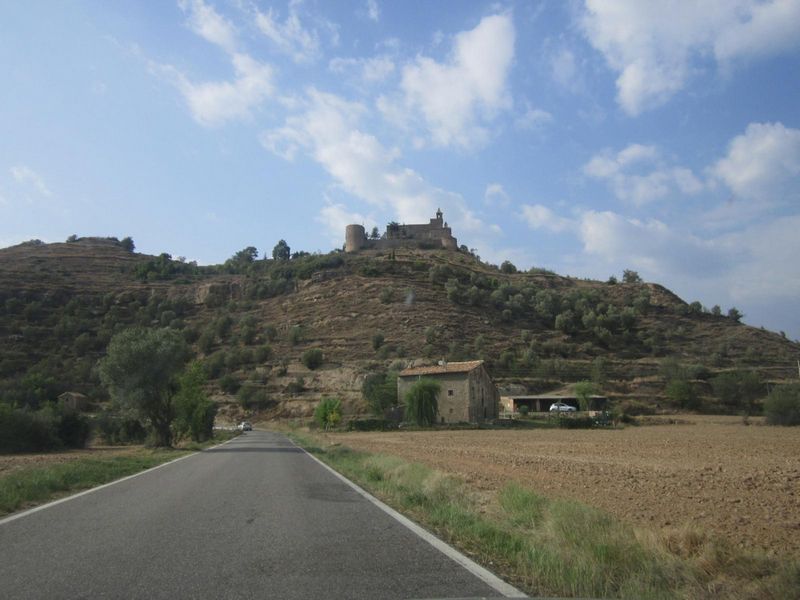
{"x":254,"y":518}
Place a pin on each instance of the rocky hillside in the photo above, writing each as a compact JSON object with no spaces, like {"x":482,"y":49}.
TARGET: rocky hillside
{"x":250,"y":321}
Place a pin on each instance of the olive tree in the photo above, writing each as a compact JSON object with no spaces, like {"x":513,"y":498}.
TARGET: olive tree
{"x":422,"y":402}
{"x":140,"y":372}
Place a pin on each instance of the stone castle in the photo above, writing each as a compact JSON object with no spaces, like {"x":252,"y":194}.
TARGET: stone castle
{"x":435,"y":234}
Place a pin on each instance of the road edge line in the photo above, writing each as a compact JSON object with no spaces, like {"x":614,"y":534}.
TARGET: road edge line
{"x":482,"y":573}
{"x":35,"y":509}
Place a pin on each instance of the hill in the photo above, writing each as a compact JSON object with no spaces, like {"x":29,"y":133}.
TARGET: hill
{"x":250,"y":321}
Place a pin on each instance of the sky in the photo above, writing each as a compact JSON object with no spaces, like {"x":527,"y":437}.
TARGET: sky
{"x":584,"y":137}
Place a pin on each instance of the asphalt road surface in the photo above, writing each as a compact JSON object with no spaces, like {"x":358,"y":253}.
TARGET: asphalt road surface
{"x":254,"y":518}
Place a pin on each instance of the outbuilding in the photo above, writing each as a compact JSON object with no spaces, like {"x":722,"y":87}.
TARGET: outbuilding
{"x":467,"y":394}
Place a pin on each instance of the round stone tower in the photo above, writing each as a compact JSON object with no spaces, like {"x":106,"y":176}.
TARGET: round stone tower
{"x":355,"y":238}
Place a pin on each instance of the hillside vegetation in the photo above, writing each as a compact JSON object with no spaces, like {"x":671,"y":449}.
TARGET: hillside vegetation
{"x":251,"y":320}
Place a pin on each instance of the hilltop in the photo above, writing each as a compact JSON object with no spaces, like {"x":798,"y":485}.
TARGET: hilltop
{"x":251,"y":320}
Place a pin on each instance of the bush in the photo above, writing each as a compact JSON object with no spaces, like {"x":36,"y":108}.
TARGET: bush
{"x":117,"y":429}
{"x":575,"y":422}
{"x":377,"y":340}
{"x":328,"y":412}
{"x":72,"y":428}
{"x":26,"y":431}
{"x":370,"y":425}
{"x":524,"y":410}
{"x":782,"y":406}
{"x":313,"y":358}
{"x":229,"y":384}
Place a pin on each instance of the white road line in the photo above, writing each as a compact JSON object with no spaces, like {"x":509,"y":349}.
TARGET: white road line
{"x":36,"y":509}
{"x":489,"y":578}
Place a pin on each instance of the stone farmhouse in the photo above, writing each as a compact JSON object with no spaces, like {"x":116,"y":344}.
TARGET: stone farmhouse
{"x":467,"y":394}
{"x":435,"y":234}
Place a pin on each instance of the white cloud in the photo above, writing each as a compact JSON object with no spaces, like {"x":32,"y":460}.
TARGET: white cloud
{"x":638,"y":174}
{"x":656,"y":47}
{"x":209,"y":24}
{"x":533,"y":119}
{"x":455,"y":99}
{"x":215,"y":102}
{"x":373,"y":11}
{"x":495,"y":195}
{"x":762,"y":164}
{"x":294,"y":37}
{"x":564,"y":70}
{"x":368,"y":70}
{"x":327,"y":130}
{"x":26,"y":176}
{"x":538,"y":216}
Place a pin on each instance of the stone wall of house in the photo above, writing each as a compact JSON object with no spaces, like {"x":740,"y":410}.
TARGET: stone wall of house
{"x":464,"y":397}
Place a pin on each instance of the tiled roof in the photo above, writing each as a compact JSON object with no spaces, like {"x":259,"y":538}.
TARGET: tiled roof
{"x":451,"y":367}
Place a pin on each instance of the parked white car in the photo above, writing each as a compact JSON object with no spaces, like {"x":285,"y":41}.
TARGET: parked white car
{"x":245,"y":426}
{"x":561,"y":407}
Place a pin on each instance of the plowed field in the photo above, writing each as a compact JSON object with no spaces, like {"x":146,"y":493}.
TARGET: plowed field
{"x":736,"y":481}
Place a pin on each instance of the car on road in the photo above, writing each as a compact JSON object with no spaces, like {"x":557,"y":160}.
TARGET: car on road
{"x":561,"y":407}
{"x":245,"y":426}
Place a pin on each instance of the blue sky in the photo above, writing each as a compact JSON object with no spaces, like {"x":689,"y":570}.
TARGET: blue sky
{"x":583,"y":137}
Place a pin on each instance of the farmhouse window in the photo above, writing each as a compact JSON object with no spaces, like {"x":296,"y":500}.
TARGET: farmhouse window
{"x":449,"y":392}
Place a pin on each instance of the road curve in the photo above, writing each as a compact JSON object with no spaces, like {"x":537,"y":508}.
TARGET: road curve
{"x":254,"y":518}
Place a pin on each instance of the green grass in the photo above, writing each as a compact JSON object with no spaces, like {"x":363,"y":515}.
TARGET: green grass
{"x":29,"y":486}
{"x":563,"y":548}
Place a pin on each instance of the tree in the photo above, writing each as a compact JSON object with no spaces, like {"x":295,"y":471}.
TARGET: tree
{"x":127,"y":244}
{"x":380,"y":391}
{"x":140,"y":373}
{"x":281,"y":251}
{"x":508,"y":267}
{"x":583,"y":391}
{"x":782,"y":407}
{"x":246,"y":255}
{"x":738,"y":389}
{"x":194,"y":411}
{"x":629,"y":276}
{"x":422,"y":402}
{"x":375,"y":234}
{"x":313,"y":358}
{"x":733,"y":313}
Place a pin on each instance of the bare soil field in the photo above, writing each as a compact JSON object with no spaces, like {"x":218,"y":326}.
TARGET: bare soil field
{"x":717,"y":474}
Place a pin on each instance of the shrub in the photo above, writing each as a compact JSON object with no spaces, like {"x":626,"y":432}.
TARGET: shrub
{"x":297,"y":386}
{"x":295,"y":334}
{"x":313,"y":358}
{"x":328,"y":412}
{"x":262,"y":353}
{"x":26,"y":431}
{"x":252,"y":397}
{"x":229,"y":384}
{"x":782,"y":407}
{"x":370,"y":425}
{"x":377,"y":340}
{"x":738,"y":390}
{"x":575,"y":422}
{"x":119,"y":429}
{"x":524,"y":410}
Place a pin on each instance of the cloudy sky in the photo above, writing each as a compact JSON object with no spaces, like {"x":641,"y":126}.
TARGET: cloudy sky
{"x":584,"y":137}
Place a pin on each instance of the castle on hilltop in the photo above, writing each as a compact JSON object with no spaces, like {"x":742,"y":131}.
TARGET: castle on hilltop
{"x":435,"y":234}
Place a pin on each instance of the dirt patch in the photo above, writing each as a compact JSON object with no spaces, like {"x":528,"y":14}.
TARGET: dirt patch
{"x":737,"y":481}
